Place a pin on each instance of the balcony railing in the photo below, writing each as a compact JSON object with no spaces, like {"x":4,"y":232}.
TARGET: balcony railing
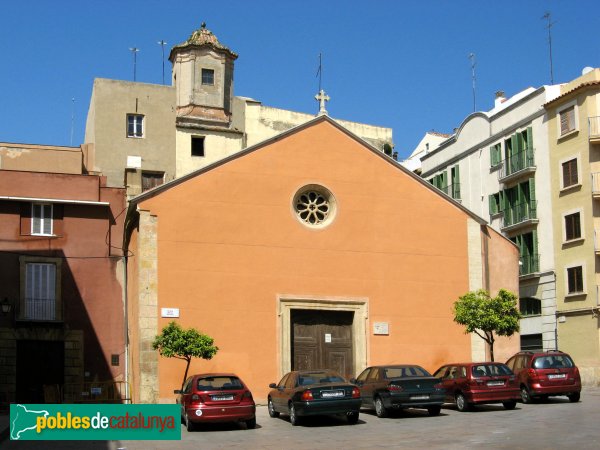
{"x":517,"y":163}
{"x":529,"y":264}
{"x":594,"y":128}
{"x":38,"y":309}
{"x":519,"y":213}
{"x":451,"y":190}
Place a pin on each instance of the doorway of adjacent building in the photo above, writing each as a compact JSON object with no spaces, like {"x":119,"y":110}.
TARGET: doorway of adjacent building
{"x":322,"y":339}
{"x":39,"y":364}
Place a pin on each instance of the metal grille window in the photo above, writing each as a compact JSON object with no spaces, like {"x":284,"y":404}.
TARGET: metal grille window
{"x":530,"y":306}
{"x":208,"y":77}
{"x":569,"y":172}
{"x":575,"y":280}
{"x":151,"y":180}
{"x":572,"y":226}
{"x":135,"y":125}
{"x":567,"y":120}
{"x":41,"y":219}
{"x":40,"y":291}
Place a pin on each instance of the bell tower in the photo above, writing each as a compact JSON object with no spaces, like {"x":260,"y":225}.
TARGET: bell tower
{"x":203,"y":77}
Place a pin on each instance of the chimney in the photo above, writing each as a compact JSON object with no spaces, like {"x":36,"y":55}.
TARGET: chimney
{"x":500,"y":98}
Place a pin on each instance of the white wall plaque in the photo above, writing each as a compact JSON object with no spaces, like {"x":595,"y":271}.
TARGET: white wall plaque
{"x":134,"y":162}
{"x":327,"y":337}
{"x":169,"y":312}
{"x":381,"y":328}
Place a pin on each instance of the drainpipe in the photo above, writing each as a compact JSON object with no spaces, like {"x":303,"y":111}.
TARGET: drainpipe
{"x":126,"y":329}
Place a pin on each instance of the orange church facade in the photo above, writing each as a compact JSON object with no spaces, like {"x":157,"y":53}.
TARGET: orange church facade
{"x":311,"y":248}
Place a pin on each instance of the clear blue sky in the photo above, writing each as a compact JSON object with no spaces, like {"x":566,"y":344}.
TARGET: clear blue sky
{"x":398,"y":64}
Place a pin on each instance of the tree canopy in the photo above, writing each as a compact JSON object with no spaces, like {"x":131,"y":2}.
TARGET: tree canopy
{"x":485,"y":315}
{"x":176,"y":342}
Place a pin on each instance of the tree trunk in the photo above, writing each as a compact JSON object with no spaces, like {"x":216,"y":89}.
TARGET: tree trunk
{"x":187,"y":366}
{"x":491,"y":342}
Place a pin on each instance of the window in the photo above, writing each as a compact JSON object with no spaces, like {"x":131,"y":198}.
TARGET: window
{"x":41,"y":219}
{"x":135,"y":125}
{"x":496,"y":155}
{"x":530,"y":306}
{"x":530,"y":342}
{"x":315,"y":205}
{"x":40,"y":292}
{"x":197,"y":145}
{"x":567,"y":120}
{"x":572,"y":226}
{"x":208,"y":77}
{"x":569,"y":173}
{"x":151,"y":180}
{"x":575,"y":280}
{"x":496,"y":203}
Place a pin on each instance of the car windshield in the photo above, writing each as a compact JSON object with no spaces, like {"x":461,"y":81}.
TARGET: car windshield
{"x":490,"y":370}
{"x":308,"y":378}
{"x":553,"y":362}
{"x":405,"y":372}
{"x":218,"y":383}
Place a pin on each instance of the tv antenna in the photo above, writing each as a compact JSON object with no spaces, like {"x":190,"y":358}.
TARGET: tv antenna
{"x":162,"y":43}
{"x":72,"y":118}
{"x":473,"y":63}
{"x":549,"y":26}
{"x":134,"y":50}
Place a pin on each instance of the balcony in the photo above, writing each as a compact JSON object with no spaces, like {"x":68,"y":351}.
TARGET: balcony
{"x":520,"y":215}
{"x":594,"y":129}
{"x":520,"y":164}
{"x":529,"y":265}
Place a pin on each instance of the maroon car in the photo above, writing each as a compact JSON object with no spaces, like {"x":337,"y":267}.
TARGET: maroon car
{"x":542,"y":374}
{"x":215,"y":397}
{"x":468,"y":384}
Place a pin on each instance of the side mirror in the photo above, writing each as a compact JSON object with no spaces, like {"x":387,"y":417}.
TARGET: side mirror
{"x":273,"y":386}
{"x":177,"y":391}
{"x":353,"y":380}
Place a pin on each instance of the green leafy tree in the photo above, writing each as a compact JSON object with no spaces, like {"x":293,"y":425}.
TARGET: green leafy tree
{"x":486,"y":316}
{"x":176,"y":342}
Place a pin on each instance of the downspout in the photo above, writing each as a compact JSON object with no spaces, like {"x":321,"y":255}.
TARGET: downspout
{"x":126,"y":329}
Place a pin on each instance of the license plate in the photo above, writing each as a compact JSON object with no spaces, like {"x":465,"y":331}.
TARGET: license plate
{"x":495,"y":383}
{"x":419,"y":397}
{"x":332,"y":394}
{"x":560,"y":375}
{"x":219,"y":398}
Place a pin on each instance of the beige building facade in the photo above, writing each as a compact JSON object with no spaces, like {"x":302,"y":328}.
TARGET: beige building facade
{"x":142,"y":135}
{"x":574,"y":141}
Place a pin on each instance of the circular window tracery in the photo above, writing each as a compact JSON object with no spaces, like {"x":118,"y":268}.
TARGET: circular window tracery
{"x":314,"y":205}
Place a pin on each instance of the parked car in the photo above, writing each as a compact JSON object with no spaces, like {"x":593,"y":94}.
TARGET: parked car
{"x":384,"y":388}
{"x":216,"y":397}
{"x":468,"y":384}
{"x":314,"y":392}
{"x":542,"y":374}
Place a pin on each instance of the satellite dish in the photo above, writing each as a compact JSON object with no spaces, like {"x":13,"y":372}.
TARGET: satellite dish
{"x":587,"y":69}
{"x":387,"y":149}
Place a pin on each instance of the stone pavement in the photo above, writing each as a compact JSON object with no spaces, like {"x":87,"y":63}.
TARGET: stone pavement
{"x":554,"y":424}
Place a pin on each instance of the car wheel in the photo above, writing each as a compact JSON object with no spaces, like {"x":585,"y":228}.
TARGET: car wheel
{"x":574,"y":397}
{"x":189,"y":425}
{"x":271,"y":409}
{"x":461,"y":403}
{"x":352,"y":417}
{"x":525,"y":395}
{"x":251,"y":424}
{"x":434,"y":410}
{"x":509,"y":404}
{"x":294,"y":419}
{"x":380,"y":409}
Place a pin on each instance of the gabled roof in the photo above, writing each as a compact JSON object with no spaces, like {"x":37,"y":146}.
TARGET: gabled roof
{"x":318,"y":119}
{"x":577,"y":88}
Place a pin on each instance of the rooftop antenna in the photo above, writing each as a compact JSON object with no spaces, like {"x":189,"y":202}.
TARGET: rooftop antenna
{"x":134,"y":50}
{"x":472,"y":58}
{"x":72,"y":118}
{"x":321,"y":97}
{"x":549,"y":26}
{"x":320,"y":70}
{"x":162,"y":43}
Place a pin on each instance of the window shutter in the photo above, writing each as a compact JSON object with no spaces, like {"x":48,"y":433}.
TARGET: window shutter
{"x":36,"y":219}
{"x":492,"y":204}
{"x":529,"y":144}
{"x":47,"y":222}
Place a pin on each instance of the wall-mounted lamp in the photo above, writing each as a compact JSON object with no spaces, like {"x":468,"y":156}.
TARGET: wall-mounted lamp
{"x":6,"y":306}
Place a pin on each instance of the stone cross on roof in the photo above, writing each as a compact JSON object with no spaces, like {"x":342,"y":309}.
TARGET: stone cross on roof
{"x":321,"y":97}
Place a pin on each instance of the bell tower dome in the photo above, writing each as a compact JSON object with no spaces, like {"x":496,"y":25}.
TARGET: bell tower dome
{"x":203,"y":77}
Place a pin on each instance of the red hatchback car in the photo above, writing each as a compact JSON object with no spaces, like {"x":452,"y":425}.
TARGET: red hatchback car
{"x":215,"y":397}
{"x":469,"y":384}
{"x":542,"y":374}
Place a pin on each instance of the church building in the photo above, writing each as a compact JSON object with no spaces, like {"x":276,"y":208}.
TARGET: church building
{"x":309,"y":249}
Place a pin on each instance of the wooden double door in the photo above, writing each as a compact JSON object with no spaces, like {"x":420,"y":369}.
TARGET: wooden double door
{"x":322,"y":339}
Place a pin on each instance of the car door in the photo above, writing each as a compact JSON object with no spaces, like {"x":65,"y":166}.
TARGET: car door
{"x":443,"y":373}
{"x":360,"y":382}
{"x":185,"y":396}
{"x":278,"y":394}
{"x":373,"y":384}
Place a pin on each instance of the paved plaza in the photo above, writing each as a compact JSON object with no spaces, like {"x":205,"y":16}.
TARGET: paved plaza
{"x":555,"y":424}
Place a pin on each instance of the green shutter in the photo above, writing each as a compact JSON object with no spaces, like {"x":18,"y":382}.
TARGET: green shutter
{"x":529,"y":138}
{"x":532,"y":189}
{"x":493,"y":156}
{"x":492,"y":204}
